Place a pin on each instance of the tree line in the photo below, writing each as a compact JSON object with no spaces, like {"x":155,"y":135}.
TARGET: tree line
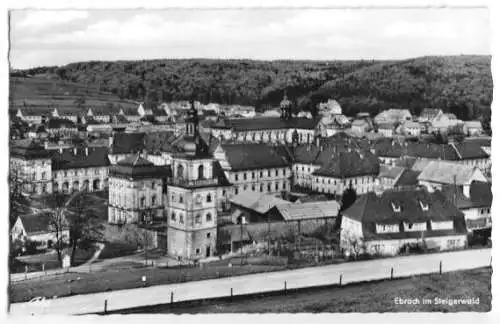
{"x":458,"y":84}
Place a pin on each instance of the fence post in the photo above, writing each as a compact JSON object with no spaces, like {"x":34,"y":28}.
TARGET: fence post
{"x":43,"y":268}
{"x":285,"y":287}
{"x":26,"y":272}
{"x":340,"y":280}
{"x":440,"y":267}
{"x":171,"y":297}
{"x":105,"y":306}
{"x":392,"y":273}
{"x":231,"y":292}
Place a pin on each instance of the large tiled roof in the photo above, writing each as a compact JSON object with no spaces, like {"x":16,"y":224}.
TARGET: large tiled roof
{"x":371,"y":209}
{"x":392,"y":172}
{"x":253,"y":156}
{"x":480,"y":195}
{"x":407,"y":178}
{"x":83,"y":158}
{"x":35,"y":224}
{"x":60,"y":123}
{"x":262,"y":123}
{"x":447,"y":172}
{"x":136,"y":166}
{"x":308,"y":210}
{"x":28,"y":149}
{"x":430,"y":112}
{"x":396,"y":149}
{"x":258,"y":202}
{"x":470,"y":150}
{"x":348,"y":164}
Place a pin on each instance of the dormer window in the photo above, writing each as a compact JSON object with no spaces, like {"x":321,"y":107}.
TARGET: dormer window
{"x":424,"y":206}
{"x":396,"y":208}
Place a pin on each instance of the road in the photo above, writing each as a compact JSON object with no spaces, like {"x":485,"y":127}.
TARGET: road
{"x":299,"y":278}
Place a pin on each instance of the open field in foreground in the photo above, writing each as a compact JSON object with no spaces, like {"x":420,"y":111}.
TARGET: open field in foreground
{"x":362,"y":297}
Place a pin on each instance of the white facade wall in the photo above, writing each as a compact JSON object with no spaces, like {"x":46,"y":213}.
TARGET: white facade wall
{"x":71,"y":180}
{"x":362,"y":184}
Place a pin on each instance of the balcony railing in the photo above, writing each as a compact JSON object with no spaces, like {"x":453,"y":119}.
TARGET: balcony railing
{"x":192,"y":183}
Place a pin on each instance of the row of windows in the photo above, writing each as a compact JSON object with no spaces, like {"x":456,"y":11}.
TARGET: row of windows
{"x":197,"y":218}
{"x":261,"y":187}
{"x":344,"y":182}
{"x":261,"y":174}
{"x":75,"y":172}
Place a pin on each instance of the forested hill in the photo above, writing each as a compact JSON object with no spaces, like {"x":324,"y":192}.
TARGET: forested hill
{"x":459,"y":84}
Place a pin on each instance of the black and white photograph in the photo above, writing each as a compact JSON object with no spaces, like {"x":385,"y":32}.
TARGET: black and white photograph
{"x":249,"y":160}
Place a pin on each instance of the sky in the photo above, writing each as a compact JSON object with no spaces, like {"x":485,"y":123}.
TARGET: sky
{"x":58,"y":37}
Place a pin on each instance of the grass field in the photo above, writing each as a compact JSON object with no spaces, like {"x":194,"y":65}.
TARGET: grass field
{"x":94,"y":282}
{"x":364,"y":297}
{"x":39,"y":92}
{"x":50,"y":261}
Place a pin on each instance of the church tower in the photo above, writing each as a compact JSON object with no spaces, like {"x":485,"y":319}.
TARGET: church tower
{"x":286,"y":108}
{"x":192,"y":195}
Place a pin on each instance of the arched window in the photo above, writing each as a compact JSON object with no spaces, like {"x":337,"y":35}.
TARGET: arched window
{"x":276,"y":186}
{"x":153,"y":200}
{"x":173,"y":216}
{"x":253,"y":187}
{"x":142,"y":201}
{"x":96,"y":184}
{"x":76,"y":186}
{"x":181,"y":218}
{"x":181,"y":199}
{"x":180,"y":171}
{"x":209,"y":198}
{"x":197,"y":219}
{"x":200,"y":172}
{"x":268,"y":187}
{"x":209,"y":217}
{"x":55,"y":187}
{"x":65,"y":187}
{"x":44,"y":188}
{"x":261,"y":187}
{"x":85,"y":185}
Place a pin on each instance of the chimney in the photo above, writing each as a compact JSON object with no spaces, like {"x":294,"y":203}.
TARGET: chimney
{"x":75,"y":150}
{"x":86,"y":150}
{"x":466,"y":190}
{"x":60,"y":150}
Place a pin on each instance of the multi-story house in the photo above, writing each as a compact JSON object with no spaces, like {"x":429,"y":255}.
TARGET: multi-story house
{"x":78,"y":169}
{"x":136,"y":191}
{"x":388,"y":223}
{"x":474,"y":200}
{"x":437,"y":174}
{"x":30,"y":168}
{"x":254,"y":167}
{"x":393,"y":116}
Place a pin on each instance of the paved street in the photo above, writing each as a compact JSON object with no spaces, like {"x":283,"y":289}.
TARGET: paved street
{"x":300,"y":278}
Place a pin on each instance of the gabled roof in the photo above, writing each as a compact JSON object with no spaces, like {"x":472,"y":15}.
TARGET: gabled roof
{"x":447,"y":173}
{"x":470,"y":150}
{"x":253,"y":156}
{"x":407,"y":178}
{"x":89,"y":157}
{"x":349,"y":164}
{"x":371,"y":209}
{"x":430,"y":112}
{"x":480,"y":195}
{"x":34,"y":224}
{"x":473,"y":124}
{"x":135,"y":160}
{"x":392,"y":172}
{"x":308,"y":210}
{"x":258,"y":202}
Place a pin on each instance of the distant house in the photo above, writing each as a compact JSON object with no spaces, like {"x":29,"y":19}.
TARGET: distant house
{"x":474,"y":201}
{"x":429,"y":114}
{"x":360,"y":126}
{"x":439,"y":173}
{"x":473,"y":128}
{"x":393,"y":116}
{"x":331,"y":107}
{"x":386,"y":129}
{"x":387,"y":224}
{"x":411,"y":128}
{"x":37,"y":228}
